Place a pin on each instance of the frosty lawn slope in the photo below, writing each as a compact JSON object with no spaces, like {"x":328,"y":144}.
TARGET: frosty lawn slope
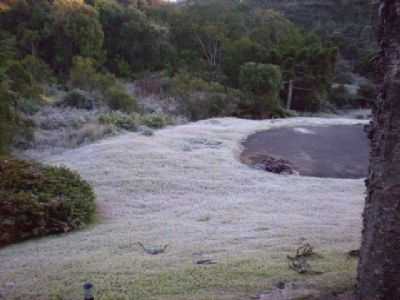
{"x":184,"y":187}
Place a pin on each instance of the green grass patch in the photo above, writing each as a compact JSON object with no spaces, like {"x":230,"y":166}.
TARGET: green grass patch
{"x":225,"y":280}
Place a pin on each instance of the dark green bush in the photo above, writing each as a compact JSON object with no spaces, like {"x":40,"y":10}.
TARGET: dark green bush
{"x":104,"y":81}
{"x":201,"y":99}
{"x":117,"y":99}
{"x":185,"y":84}
{"x":120,"y":120}
{"x":83,"y":73}
{"x":132,"y":121}
{"x":36,"y":200}
{"x":261,"y":79}
{"x":155,"y":120}
{"x":204,"y":105}
{"x":77,"y":99}
{"x":85,"y":76}
{"x":28,"y":106}
{"x":39,"y":70}
{"x":263,"y":83}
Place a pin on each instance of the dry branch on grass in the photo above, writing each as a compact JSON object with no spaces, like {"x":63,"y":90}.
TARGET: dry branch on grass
{"x":300,"y":262}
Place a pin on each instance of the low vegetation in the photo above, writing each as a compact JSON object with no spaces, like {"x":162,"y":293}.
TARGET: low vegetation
{"x":133,"y":121}
{"x":262,"y":82}
{"x":199,"y":99}
{"x":37,"y":200}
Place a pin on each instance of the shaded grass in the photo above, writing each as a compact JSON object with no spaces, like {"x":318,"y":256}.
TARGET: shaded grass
{"x":227,"y":280}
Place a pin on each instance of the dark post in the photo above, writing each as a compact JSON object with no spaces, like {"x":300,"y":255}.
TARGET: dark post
{"x":88,"y":291}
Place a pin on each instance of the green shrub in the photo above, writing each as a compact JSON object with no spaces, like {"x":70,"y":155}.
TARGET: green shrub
{"x":203,"y":105}
{"x":117,"y":99}
{"x":120,"y":120}
{"x":263,"y":83}
{"x":39,"y":70}
{"x":184,"y":84}
{"x":36,"y":200}
{"x":132,"y":121}
{"x":123,"y":69}
{"x":260,"y":79}
{"x":83,"y":73}
{"x":155,"y":120}
{"x":104,"y":81}
{"x":202,"y":99}
{"x":85,"y":76}
{"x":28,"y":106}
{"x":24,"y":133}
{"x":239,"y":52}
{"x":22,"y":83}
{"x":77,"y":99}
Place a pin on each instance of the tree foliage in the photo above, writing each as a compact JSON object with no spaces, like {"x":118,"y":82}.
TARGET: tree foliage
{"x":133,"y":42}
{"x":77,"y":31}
{"x":260,"y":79}
{"x":87,"y":44}
{"x":6,"y":117}
{"x":263,"y":81}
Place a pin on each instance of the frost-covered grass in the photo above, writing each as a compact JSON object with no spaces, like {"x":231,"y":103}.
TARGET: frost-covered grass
{"x":185,"y":187}
{"x":57,"y":129}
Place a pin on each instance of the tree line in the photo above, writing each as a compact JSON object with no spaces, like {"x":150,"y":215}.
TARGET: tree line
{"x":53,"y":41}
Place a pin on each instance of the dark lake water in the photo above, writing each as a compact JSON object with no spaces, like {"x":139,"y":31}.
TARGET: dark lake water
{"x":339,"y":151}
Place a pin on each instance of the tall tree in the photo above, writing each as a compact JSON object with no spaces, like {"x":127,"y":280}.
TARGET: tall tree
{"x":379,"y":267}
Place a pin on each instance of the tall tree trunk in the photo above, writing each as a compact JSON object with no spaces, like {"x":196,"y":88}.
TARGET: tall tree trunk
{"x":290,"y":96}
{"x":379,"y":266}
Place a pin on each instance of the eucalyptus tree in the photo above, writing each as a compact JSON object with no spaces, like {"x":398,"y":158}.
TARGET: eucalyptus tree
{"x":379,"y":266}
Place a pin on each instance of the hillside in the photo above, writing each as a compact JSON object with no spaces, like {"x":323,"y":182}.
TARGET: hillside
{"x":185,"y":187}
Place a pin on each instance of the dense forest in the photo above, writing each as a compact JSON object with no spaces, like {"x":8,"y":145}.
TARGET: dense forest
{"x":214,"y":58}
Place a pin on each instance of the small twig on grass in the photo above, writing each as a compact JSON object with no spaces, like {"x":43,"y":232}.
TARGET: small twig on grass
{"x":205,"y":262}
{"x":153,"y":250}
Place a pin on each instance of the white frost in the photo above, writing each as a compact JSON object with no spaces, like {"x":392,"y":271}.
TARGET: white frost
{"x":303,"y":130}
{"x":185,"y":187}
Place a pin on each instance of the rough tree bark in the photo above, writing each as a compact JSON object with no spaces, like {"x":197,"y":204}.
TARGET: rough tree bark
{"x":379,"y":266}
